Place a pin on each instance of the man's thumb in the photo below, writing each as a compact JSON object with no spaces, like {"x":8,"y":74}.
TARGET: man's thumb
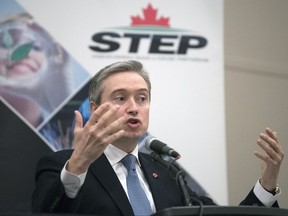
{"x":78,"y":120}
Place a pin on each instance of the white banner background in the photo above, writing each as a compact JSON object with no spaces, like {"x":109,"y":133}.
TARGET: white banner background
{"x":187,"y":110}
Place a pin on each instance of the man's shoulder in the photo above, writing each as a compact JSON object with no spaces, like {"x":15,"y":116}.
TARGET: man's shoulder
{"x":61,"y":153}
{"x":59,"y":157}
{"x":145,"y":156}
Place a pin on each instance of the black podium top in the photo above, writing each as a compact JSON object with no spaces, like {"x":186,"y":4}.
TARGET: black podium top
{"x":190,"y":211}
{"x":223,"y":211}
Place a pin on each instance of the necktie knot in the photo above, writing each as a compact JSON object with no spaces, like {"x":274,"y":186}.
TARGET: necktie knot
{"x":129,"y":161}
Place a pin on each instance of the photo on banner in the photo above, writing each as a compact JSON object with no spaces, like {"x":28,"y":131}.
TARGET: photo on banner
{"x":37,"y":75}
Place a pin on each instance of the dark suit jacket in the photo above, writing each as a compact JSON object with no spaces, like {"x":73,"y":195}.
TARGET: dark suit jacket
{"x":102,"y":192}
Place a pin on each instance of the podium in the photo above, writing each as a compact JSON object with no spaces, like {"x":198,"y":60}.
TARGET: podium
{"x":223,"y":211}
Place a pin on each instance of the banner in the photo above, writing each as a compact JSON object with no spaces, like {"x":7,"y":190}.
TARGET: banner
{"x":179,"y":43}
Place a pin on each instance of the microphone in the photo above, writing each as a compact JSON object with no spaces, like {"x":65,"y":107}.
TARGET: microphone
{"x":159,"y":147}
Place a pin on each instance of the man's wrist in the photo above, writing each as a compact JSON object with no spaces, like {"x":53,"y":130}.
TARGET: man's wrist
{"x":265,"y":197}
{"x":274,"y":191}
{"x":71,"y":182}
{"x":77,"y":167}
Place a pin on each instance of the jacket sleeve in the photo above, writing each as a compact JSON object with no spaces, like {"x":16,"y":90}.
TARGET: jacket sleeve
{"x":252,"y":200}
{"x":49,"y":194}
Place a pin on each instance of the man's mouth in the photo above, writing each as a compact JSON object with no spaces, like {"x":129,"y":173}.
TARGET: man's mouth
{"x":132,"y":122}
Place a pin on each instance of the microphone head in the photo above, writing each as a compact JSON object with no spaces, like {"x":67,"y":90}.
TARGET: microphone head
{"x":155,"y":145}
{"x":152,"y":143}
{"x":148,"y":141}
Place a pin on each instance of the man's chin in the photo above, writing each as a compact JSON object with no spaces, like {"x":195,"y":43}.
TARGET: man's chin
{"x":133,"y":135}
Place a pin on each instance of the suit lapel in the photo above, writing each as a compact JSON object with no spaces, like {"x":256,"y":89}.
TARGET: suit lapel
{"x":164,"y":189}
{"x":155,"y":181}
{"x":103,"y":171}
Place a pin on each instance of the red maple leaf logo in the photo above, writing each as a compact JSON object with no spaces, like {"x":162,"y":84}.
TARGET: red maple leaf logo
{"x":150,"y":18}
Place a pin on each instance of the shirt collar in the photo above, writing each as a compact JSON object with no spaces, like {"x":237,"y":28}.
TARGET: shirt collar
{"x":115,"y":155}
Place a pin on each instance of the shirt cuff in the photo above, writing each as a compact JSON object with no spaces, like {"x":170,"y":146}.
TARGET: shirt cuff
{"x":264,"y":196}
{"x":72,"y":183}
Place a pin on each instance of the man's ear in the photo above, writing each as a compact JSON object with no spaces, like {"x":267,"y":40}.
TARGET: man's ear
{"x":93,"y":106}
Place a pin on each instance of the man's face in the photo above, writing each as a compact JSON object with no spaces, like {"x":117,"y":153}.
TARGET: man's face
{"x":130,"y":91}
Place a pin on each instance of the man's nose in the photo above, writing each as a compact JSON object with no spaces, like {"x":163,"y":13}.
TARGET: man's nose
{"x":132,"y":107}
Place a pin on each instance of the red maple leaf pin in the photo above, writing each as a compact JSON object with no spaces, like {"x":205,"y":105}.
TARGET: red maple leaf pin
{"x":150,"y":18}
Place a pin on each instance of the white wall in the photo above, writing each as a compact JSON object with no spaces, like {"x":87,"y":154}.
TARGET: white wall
{"x":256,"y":86}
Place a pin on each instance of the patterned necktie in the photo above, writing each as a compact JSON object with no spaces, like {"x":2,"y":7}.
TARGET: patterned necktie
{"x":137,"y":196}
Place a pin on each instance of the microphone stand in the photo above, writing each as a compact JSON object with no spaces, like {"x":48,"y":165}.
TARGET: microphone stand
{"x":179,"y":176}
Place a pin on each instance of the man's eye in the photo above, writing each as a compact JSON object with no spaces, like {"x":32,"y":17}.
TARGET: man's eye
{"x":119,"y":98}
{"x":142,"y":99}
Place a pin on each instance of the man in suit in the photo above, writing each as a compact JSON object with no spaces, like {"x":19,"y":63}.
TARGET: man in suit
{"x":84,"y":110}
{"x":93,"y":178}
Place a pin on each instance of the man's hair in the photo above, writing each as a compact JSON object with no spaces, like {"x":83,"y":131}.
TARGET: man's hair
{"x":96,"y":85}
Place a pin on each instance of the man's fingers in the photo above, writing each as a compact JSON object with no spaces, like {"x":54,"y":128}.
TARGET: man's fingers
{"x":107,"y":117}
{"x":78,"y":120}
{"x":272,"y":134}
{"x":269,"y":140}
{"x":116,"y":126}
{"x":273,"y":150}
{"x":97,"y":114}
{"x":269,"y":152}
{"x":114,"y":136}
{"x":104,"y":125}
{"x":264,"y":157}
{"x":112,"y":131}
